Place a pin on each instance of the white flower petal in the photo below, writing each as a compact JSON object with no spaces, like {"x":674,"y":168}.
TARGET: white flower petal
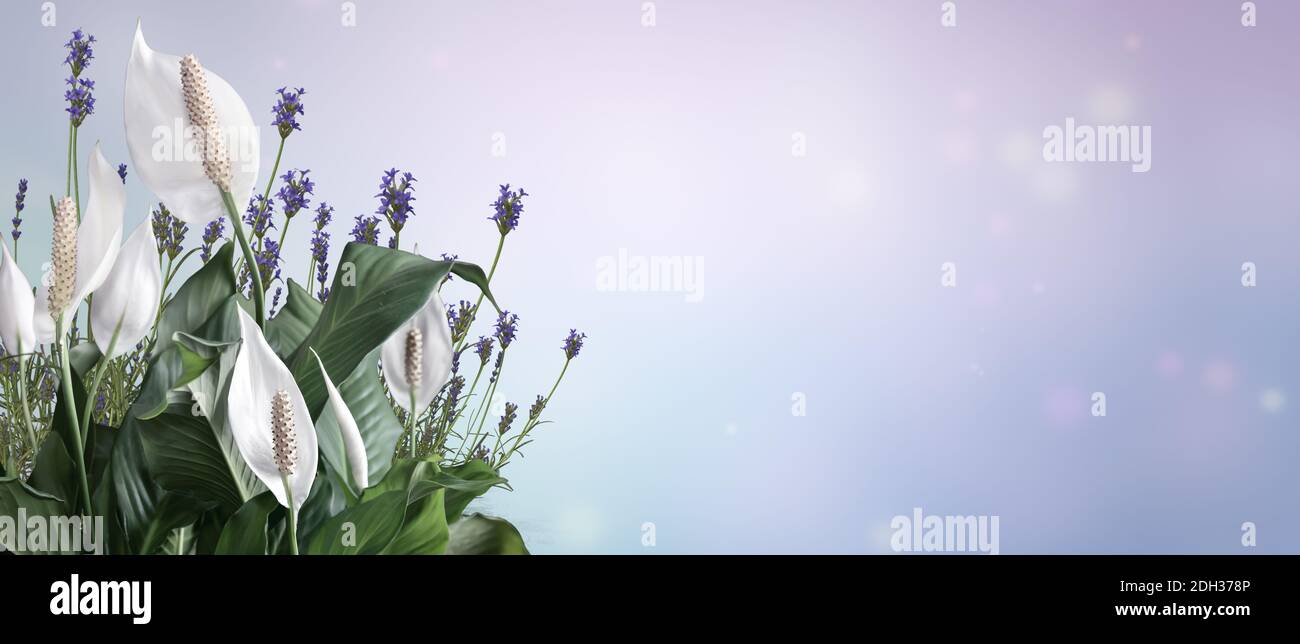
{"x":128,"y":299}
{"x":165,"y":159}
{"x":353,"y":445}
{"x":16,"y":329}
{"x":431,"y":320}
{"x":257,"y":376}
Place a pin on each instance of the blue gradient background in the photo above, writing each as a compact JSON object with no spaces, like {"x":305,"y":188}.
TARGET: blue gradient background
{"x":821,"y":273}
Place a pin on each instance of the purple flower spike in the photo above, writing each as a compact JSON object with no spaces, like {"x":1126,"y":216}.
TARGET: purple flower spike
{"x":19,"y":203}
{"x":573,"y":344}
{"x":287,"y":108}
{"x":507,"y":208}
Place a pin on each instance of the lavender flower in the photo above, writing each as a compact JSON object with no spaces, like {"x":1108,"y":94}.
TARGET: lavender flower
{"x":395,"y":199}
{"x":168,"y":232}
{"x":211,"y":234}
{"x":258,"y":216}
{"x":268,"y":262}
{"x":80,"y":51}
{"x":506,"y":326}
{"x":366,"y":230}
{"x":573,"y":344}
{"x":508,"y":418}
{"x":535,"y":411}
{"x":507,"y":208}
{"x":320,"y":247}
{"x":121,"y":171}
{"x":19,"y":202}
{"x":287,"y":108}
{"x":459,"y":319}
{"x":81,"y":102}
{"x":484,"y":350}
{"x":295,"y":195}
{"x":448,"y":258}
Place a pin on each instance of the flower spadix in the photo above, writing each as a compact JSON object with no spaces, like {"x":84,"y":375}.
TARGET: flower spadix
{"x":187,"y":129}
{"x":417,"y":357}
{"x":127,"y":303}
{"x":269,"y":418}
{"x":16,"y":330}
{"x":92,"y":246}
{"x":353,"y":445}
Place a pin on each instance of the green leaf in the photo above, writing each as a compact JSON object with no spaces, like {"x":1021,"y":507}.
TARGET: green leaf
{"x":60,"y":422}
{"x":286,"y":331}
{"x":84,"y":357}
{"x":375,"y":291}
{"x":473,"y":274}
{"x":15,"y":494}
{"x":424,"y":530}
{"x":187,"y":454}
{"x":173,"y":511}
{"x":245,"y":532}
{"x":465,"y":483}
{"x":364,"y":394}
{"x":477,"y":534}
{"x":54,"y":472}
{"x":363,"y":529}
{"x":198,"y":298}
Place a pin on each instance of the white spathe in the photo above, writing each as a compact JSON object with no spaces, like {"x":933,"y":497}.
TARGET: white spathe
{"x":127,"y":303}
{"x":99,"y":238}
{"x":257,"y":376}
{"x":164,"y":149}
{"x":16,"y":330}
{"x":435,"y":366}
{"x":353,"y":445}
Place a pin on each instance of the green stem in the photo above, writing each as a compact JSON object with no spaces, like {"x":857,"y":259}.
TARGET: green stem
{"x":76,"y":174}
{"x":99,"y":378}
{"x":259,"y":296}
{"x":270,"y":182}
{"x":501,"y":242}
{"x":67,"y":190}
{"x":65,"y":367}
{"x":410,"y":420}
{"x":22,"y":399}
{"x":180,"y":540}
{"x":533,"y":423}
{"x":293,"y":515}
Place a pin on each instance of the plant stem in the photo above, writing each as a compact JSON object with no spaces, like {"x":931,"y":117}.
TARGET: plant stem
{"x":293,"y":515}
{"x":255,"y":272}
{"x":76,"y":174}
{"x":411,"y":421}
{"x":99,"y":377}
{"x":270,"y":182}
{"x":501,"y":242}
{"x":22,"y":399}
{"x":533,"y":423}
{"x":67,"y":190}
{"x":65,"y":366}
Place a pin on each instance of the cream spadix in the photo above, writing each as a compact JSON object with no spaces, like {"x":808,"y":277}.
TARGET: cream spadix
{"x":353,"y":445}
{"x":127,"y":303}
{"x":186,"y":129}
{"x":98,"y":239}
{"x":267,"y":415}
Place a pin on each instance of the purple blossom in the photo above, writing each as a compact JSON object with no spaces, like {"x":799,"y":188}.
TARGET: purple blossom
{"x":573,"y":344}
{"x":508,"y":418}
{"x":483,"y":348}
{"x":448,"y":258}
{"x":121,"y":171}
{"x":214,"y":231}
{"x":19,"y":203}
{"x":535,"y":411}
{"x":81,"y":103}
{"x":258,"y":216}
{"x":296,"y":193}
{"x":366,"y":230}
{"x":268,"y":266}
{"x":506,"y":327}
{"x":507,"y":208}
{"x":459,"y":319}
{"x":80,"y":51}
{"x":395,"y":197}
{"x":320,"y":248}
{"x":287,"y":108}
{"x":168,"y":232}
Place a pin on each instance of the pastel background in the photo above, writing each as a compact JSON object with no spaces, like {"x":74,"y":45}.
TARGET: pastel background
{"x":821,"y":273}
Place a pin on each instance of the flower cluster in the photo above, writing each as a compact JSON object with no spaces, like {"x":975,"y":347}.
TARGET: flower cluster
{"x":320,"y":249}
{"x":484,"y":349}
{"x":508,"y":418}
{"x":573,"y":344}
{"x":80,"y":51}
{"x":121,"y":171}
{"x":507,"y":208}
{"x":459,"y":319}
{"x":506,"y":327}
{"x":258,"y":216}
{"x":296,"y":193}
{"x":287,"y":108}
{"x":395,"y":197}
{"x":366,"y":230}
{"x":211,"y":234}
{"x":168,"y":232}
{"x":268,"y":262}
{"x":81,"y":101}
{"x":19,"y":203}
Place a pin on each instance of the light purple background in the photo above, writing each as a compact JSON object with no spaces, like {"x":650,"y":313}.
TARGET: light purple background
{"x":821,"y":273}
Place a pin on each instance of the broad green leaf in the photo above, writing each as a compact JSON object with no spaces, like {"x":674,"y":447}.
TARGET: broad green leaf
{"x":54,"y":472}
{"x":465,"y":483}
{"x":198,"y":298}
{"x":15,"y":494}
{"x":286,"y":331}
{"x":473,"y":274}
{"x":424,"y":529}
{"x":363,"y":529}
{"x":84,"y":357}
{"x":173,"y":511}
{"x":245,"y":532}
{"x":187,"y":454}
{"x":477,"y":534}
{"x":375,"y":291}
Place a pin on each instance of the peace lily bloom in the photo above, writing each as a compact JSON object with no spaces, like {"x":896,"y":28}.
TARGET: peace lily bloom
{"x":126,"y":304}
{"x":353,"y":445}
{"x":16,"y":328}
{"x":99,"y":237}
{"x":417,"y":357}
{"x":270,"y":422}
{"x":157,"y":113}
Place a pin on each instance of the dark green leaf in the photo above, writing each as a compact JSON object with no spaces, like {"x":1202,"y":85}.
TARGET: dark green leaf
{"x":286,"y":331}
{"x":198,"y":298}
{"x":15,"y":494}
{"x":187,"y":454}
{"x":55,"y":474}
{"x":245,"y":532}
{"x":474,"y":275}
{"x":363,"y":529}
{"x":477,"y":534}
{"x":465,"y":483}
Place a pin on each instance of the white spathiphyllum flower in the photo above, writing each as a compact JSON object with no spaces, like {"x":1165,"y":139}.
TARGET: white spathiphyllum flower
{"x":127,"y":303}
{"x":353,"y":446}
{"x":99,"y":238}
{"x":269,"y":418}
{"x":417,"y":357}
{"x":16,"y":330}
{"x":167,"y":149}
